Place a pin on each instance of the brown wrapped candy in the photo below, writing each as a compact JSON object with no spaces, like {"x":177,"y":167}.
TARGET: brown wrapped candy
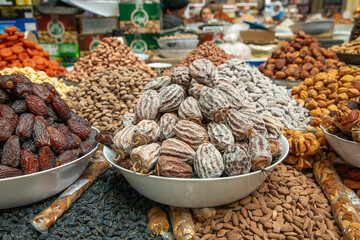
{"x":220,"y":135}
{"x":203,"y":214}
{"x":157,"y":220}
{"x":213,"y":104}
{"x":189,"y":110}
{"x":144,"y":158}
{"x":158,"y":83}
{"x":208,"y":162}
{"x":122,"y":141}
{"x":167,"y":124}
{"x":181,"y":76}
{"x":128,"y":119}
{"x":146,"y":132}
{"x":191,"y":133}
{"x":174,"y":167}
{"x":236,"y":160}
{"x":195,"y":89}
{"x":171,"y":97}
{"x":182,"y":223}
{"x":238,"y":123}
{"x":176,"y":148}
{"x":203,"y":71}
{"x":275,"y":147}
{"x":273,"y":126}
{"x":257,"y":119}
{"x":260,"y":153}
{"x":233,"y":95}
{"x":148,"y":105}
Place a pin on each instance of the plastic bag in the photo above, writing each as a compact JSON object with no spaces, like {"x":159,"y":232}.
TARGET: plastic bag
{"x":203,"y":214}
{"x":237,"y":50}
{"x":157,"y":221}
{"x":343,"y":209}
{"x":232,"y":32}
{"x":182,"y":223}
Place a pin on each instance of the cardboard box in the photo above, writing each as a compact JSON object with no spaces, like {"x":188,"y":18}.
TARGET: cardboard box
{"x":57,"y":29}
{"x":97,"y":25}
{"x":23,"y":24}
{"x":17,"y":12}
{"x":136,"y":19}
{"x":258,"y":36}
{"x":88,"y":43}
{"x":15,"y":2}
{"x":141,"y":43}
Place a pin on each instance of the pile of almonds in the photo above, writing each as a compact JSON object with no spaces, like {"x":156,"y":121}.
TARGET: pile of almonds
{"x":107,"y":95}
{"x":207,"y":50}
{"x":299,"y":59}
{"x":325,"y":92}
{"x":290,"y":205}
{"x":109,"y":53}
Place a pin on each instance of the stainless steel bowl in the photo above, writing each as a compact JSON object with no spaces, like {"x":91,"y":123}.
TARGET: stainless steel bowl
{"x":312,"y":27}
{"x":26,"y":189}
{"x":196,"y":192}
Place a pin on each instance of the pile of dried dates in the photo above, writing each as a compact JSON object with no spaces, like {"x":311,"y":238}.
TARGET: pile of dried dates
{"x":38,"y":131}
{"x":195,"y":124}
{"x":345,"y":122}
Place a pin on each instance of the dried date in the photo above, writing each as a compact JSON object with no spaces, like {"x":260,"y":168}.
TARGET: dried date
{"x":36,"y":105}
{"x":78,"y":128}
{"x":57,"y":139}
{"x":29,"y":162}
{"x":19,"y":106}
{"x":66,"y":157}
{"x":6,"y":172}
{"x":46,"y":158}
{"x":42,"y":92}
{"x":11,"y":152}
{"x":40,"y":133}
{"x":61,"y":108}
{"x":7,"y":127}
{"x":25,"y":127}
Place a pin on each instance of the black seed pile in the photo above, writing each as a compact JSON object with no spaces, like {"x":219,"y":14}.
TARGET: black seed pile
{"x":109,"y":209}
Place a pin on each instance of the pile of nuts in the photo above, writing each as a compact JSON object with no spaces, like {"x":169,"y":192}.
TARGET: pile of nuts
{"x":304,"y":148}
{"x":109,"y":53}
{"x":207,"y":50}
{"x":288,"y":206}
{"x":195,"y":124}
{"x":107,"y":95}
{"x":38,"y":130}
{"x":325,"y":91}
{"x":39,"y":77}
{"x":299,"y":59}
{"x":267,"y":97}
{"x":350,"y":47}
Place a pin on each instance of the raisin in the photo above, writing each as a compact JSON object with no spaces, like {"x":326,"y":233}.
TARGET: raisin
{"x":3,"y":96}
{"x":6,"y":111}
{"x":7,"y":82}
{"x":78,"y":128}
{"x":57,"y":139}
{"x":20,"y":79}
{"x":30,"y":145}
{"x":41,"y":135}
{"x":36,"y":105}
{"x":61,"y":108}
{"x":72,"y":140}
{"x":86,"y":147}
{"x":6,"y":172}
{"x":29,"y":162}
{"x":51,"y":88}
{"x":7,"y":127}
{"x":25,"y":126}
{"x":67,"y":156}
{"x":22,"y":90}
{"x":11,"y":152}
{"x":19,"y":106}
{"x":42,"y":92}
{"x":46,"y":158}
{"x":105,"y":138}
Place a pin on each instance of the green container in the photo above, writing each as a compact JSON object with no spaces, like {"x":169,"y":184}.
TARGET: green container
{"x":62,"y":52}
{"x":141,"y":43}
{"x":140,"y":18}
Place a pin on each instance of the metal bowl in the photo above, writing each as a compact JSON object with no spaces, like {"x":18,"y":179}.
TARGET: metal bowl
{"x":283,"y":82}
{"x":26,"y":189}
{"x":312,"y":27}
{"x":196,"y":192}
{"x":349,"y":151}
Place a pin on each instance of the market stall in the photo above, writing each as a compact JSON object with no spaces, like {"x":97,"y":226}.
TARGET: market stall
{"x":238,"y":123}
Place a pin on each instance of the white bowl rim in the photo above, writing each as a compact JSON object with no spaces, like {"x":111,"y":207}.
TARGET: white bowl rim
{"x":339,"y":138}
{"x":156,"y":65}
{"x":51,"y":169}
{"x":202,"y":179}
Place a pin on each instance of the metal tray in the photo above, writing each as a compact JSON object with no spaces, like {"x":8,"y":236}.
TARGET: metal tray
{"x":349,"y":58}
{"x":283,"y":82}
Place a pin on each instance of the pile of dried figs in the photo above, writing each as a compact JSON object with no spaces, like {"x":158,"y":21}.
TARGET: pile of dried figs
{"x":195,"y":124}
{"x":38,"y":131}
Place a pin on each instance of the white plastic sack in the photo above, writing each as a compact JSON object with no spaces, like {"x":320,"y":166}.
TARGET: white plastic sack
{"x":237,"y":50}
{"x":232,"y":32}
